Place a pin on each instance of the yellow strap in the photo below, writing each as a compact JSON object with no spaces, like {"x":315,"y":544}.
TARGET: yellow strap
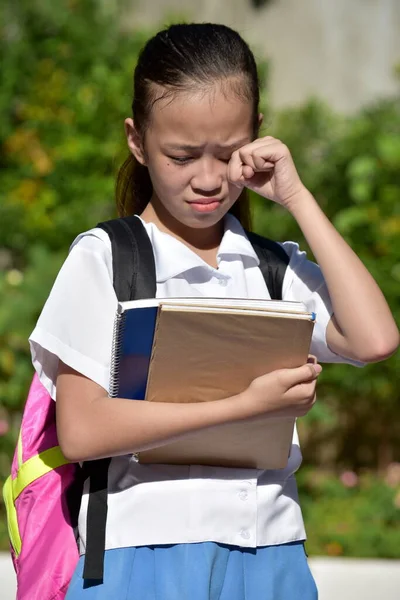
{"x":28,"y":472}
{"x":12,"y":521}
{"x":36,"y":467}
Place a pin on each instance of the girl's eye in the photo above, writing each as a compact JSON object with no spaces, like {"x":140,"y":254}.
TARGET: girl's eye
{"x":181,"y":160}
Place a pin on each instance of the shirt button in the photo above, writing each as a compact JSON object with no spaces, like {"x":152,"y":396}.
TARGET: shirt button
{"x":243,"y":495}
{"x":245,"y":534}
{"x":223,"y":282}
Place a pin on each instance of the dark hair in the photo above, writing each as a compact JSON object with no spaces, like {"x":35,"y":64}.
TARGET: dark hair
{"x":179,"y":58}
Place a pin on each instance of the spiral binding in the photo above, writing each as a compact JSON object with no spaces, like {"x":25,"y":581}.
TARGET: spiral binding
{"x":118,"y":332}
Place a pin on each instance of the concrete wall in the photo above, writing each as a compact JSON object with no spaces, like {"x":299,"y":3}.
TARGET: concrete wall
{"x":343,"y":51}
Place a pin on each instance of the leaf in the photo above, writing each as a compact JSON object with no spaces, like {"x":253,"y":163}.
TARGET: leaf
{"x":350,"y":218}
{"x":388,"y":146}
{"x":362,"y":168}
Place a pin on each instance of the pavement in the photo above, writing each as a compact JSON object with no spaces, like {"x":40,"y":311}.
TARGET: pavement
{"x":337,"y":578}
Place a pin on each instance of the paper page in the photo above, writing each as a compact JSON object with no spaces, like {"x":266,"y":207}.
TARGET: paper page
{"x":245,"y":303}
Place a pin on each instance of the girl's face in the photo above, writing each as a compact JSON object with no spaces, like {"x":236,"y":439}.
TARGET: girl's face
{"x":187,"y":147}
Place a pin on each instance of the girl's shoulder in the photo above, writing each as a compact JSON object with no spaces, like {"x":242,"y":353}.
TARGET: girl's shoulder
{"x":93,"y":240}
{"x":293,"y":250}
{"x":302,"y":273}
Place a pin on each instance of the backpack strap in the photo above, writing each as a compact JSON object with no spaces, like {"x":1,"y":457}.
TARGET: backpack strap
{"x":273,"y":262}
{"x":134,"y":278}
{"x":134,"y":270}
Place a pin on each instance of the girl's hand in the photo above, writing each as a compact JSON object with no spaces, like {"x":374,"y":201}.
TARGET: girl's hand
{"x":266,"y":166}
{"x":282,"y":393}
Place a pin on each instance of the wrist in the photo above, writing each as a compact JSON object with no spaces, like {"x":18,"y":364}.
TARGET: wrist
{"x":300,"y":202}
{"x":237,"y":407}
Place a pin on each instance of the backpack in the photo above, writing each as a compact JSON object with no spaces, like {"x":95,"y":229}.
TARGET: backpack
{"x":43,"y":493}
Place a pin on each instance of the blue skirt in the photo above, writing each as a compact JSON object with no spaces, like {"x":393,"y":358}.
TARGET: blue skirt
{"x":203,"y":571}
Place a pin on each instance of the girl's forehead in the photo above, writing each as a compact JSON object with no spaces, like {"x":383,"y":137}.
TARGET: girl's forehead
{"x":202,"y":115}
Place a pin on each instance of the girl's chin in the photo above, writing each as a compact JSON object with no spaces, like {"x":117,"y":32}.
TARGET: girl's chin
{"x":203,"y":219}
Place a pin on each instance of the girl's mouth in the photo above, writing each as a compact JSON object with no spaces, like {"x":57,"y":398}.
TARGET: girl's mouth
{"x":205,"y":205}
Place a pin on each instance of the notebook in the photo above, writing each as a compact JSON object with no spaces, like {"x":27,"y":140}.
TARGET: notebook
{"x":202,"y":349}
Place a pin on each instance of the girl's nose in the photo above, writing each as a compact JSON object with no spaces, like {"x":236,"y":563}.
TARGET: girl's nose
{"x":208,"y":176}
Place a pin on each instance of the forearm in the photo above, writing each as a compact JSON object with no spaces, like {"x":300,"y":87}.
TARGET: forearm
{"x":115,"y":426}
{"x":362,"y":314}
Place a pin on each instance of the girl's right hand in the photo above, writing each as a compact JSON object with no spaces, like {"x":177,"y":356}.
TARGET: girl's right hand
{"x":283,"y":393}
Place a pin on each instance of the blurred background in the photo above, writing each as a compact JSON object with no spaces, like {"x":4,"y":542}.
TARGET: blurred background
{"x":330,"y":90}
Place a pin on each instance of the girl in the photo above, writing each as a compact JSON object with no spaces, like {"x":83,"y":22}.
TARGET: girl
{"x":179,"y":532}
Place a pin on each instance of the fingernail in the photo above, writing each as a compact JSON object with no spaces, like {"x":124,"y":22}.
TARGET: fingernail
{"x":317,"y":369}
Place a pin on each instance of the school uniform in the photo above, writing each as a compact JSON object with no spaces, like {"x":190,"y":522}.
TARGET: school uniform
{"x":184,"y":531}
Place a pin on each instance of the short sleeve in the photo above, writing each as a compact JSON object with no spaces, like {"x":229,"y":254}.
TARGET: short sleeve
{"x":304,"y":282}
{"x":76,"y":323}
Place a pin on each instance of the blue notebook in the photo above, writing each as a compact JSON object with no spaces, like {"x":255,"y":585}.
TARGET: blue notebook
{"x":132,"y":345}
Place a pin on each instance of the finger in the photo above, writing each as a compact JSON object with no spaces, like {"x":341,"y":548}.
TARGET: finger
{"x":247,"y":171}
{"x":246,"y":152}
{"x":303,"y":374}
{"x":302,"y":395}
{"x":235,"y":169}
{"x":262,"y":154}
{"x":262,"y":158}
{"x":305,"y":408}
{"x":302,"y":392}
{"x":246,"y":156}
{"x":270,"y":152}
{"x":257,"y":148}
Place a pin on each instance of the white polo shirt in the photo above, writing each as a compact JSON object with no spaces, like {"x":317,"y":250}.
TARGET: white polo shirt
{"x":165,"y":504}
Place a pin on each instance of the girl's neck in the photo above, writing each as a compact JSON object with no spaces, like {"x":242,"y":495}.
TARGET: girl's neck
{"x":203,"y":241}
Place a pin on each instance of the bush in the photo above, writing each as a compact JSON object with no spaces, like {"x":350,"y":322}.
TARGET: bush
{"x":351,"y":515}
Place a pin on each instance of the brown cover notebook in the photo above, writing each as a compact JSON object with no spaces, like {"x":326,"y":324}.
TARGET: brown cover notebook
{"x":202,"y":354}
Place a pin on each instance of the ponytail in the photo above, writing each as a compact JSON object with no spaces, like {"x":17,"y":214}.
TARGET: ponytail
{"x":241,"y":210}
{"x":133,"y":188}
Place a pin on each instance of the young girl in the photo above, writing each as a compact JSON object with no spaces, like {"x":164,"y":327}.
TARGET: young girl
{"x":180,"y":532}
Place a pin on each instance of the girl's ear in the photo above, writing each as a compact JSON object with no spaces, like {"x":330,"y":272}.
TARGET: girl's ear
{"x":260,"y":119}
{"x":134,"y":141}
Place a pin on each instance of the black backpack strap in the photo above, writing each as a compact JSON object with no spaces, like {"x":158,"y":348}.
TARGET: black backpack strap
{"x":273,"y":262}
{"x":134,"y":270}
{"x":134,"y":278}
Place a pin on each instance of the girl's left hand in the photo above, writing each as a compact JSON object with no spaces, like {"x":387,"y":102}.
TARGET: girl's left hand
{"x":266,"y":166}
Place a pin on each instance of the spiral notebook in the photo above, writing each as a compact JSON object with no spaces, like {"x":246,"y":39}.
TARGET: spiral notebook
{"x":202,"y":349}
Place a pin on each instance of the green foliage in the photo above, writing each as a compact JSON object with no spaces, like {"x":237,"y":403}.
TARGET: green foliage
{"x":352,"y":515}
{"x":65,"y":92}
{"x":66,"y":75}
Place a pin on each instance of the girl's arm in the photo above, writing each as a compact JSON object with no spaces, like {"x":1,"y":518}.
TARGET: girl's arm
{"x":90,"y":425}
{"x":362,"y":326}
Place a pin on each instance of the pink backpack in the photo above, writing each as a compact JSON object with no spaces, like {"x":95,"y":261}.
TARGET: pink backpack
{"x":43,"y":544}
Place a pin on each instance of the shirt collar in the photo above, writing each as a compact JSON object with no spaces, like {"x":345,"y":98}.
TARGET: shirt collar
{"x":173,"y":258}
